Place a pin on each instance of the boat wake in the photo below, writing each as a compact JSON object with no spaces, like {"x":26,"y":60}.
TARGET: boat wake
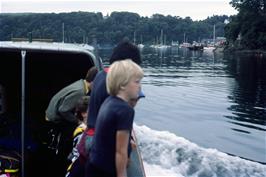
{"x":165,"y":154}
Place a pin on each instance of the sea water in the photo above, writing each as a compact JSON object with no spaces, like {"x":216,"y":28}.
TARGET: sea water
{"x":204,"y":113}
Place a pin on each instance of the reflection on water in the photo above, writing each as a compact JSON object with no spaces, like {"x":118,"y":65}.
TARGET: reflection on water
{"x":213,"y":99}
{"x":249,"y":91}
{"x":179,"y":63}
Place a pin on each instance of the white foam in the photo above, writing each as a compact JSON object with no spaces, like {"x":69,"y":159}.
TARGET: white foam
{"x":166,"y":154}
{"x":158,"y":171}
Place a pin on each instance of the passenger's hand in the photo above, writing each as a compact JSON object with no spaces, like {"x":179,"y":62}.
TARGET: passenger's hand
{"x":133,"y":144}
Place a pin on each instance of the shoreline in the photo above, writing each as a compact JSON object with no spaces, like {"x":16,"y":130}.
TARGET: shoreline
{"x":242,"y":51}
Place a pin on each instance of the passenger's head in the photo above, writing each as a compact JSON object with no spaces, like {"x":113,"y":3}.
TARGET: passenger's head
{"x":120,"y":74}
{"x":81,"y":110}
{"x":126,"y":50}
{"x":91,"y":74}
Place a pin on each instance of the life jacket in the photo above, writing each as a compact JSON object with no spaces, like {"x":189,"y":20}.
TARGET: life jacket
{"x":86,"y":139}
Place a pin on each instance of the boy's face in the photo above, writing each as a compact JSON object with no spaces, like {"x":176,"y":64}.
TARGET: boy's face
{"x":132,"y":88}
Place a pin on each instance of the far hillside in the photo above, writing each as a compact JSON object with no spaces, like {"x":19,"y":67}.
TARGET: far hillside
{"x":84,"y":27}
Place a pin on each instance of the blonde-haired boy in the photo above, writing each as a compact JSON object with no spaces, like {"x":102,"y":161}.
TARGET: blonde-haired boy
{"x":120,"y":74}
{"x":109,"y":151}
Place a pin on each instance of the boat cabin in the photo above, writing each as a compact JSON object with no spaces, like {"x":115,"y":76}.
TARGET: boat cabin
{"x":30,"y":74}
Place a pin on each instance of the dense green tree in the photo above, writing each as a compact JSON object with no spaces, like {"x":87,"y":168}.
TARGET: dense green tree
{"x":86,"y":26}
{"x":247,"y":29}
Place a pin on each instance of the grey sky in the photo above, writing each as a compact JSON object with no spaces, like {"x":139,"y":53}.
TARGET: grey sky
{"x":196,"y":9}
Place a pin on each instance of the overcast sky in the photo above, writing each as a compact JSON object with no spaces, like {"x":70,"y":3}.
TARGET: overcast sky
{"x":196,"y":9}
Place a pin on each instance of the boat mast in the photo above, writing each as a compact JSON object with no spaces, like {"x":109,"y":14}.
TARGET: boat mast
{"x":63,"y":32}
{"x":214,"y":34}
{"x":161,"y":42}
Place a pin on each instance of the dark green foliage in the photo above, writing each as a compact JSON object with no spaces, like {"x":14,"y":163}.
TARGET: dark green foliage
{"x":247,"y":30}
{"x":82,"y":27}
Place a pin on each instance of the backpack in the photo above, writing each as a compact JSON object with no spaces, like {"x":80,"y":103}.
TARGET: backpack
{"x":85,"y":144}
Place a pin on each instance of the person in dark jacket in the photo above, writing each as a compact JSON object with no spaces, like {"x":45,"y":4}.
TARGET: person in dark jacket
{"x":124,"y":50}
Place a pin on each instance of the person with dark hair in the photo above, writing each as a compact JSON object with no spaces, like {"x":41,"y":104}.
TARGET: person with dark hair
{"x":81,"y":112}
{"x":124,"y":50}
{"x":61,"y":111}
{"x":76,"y":168}
{"x":62,"y":106}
